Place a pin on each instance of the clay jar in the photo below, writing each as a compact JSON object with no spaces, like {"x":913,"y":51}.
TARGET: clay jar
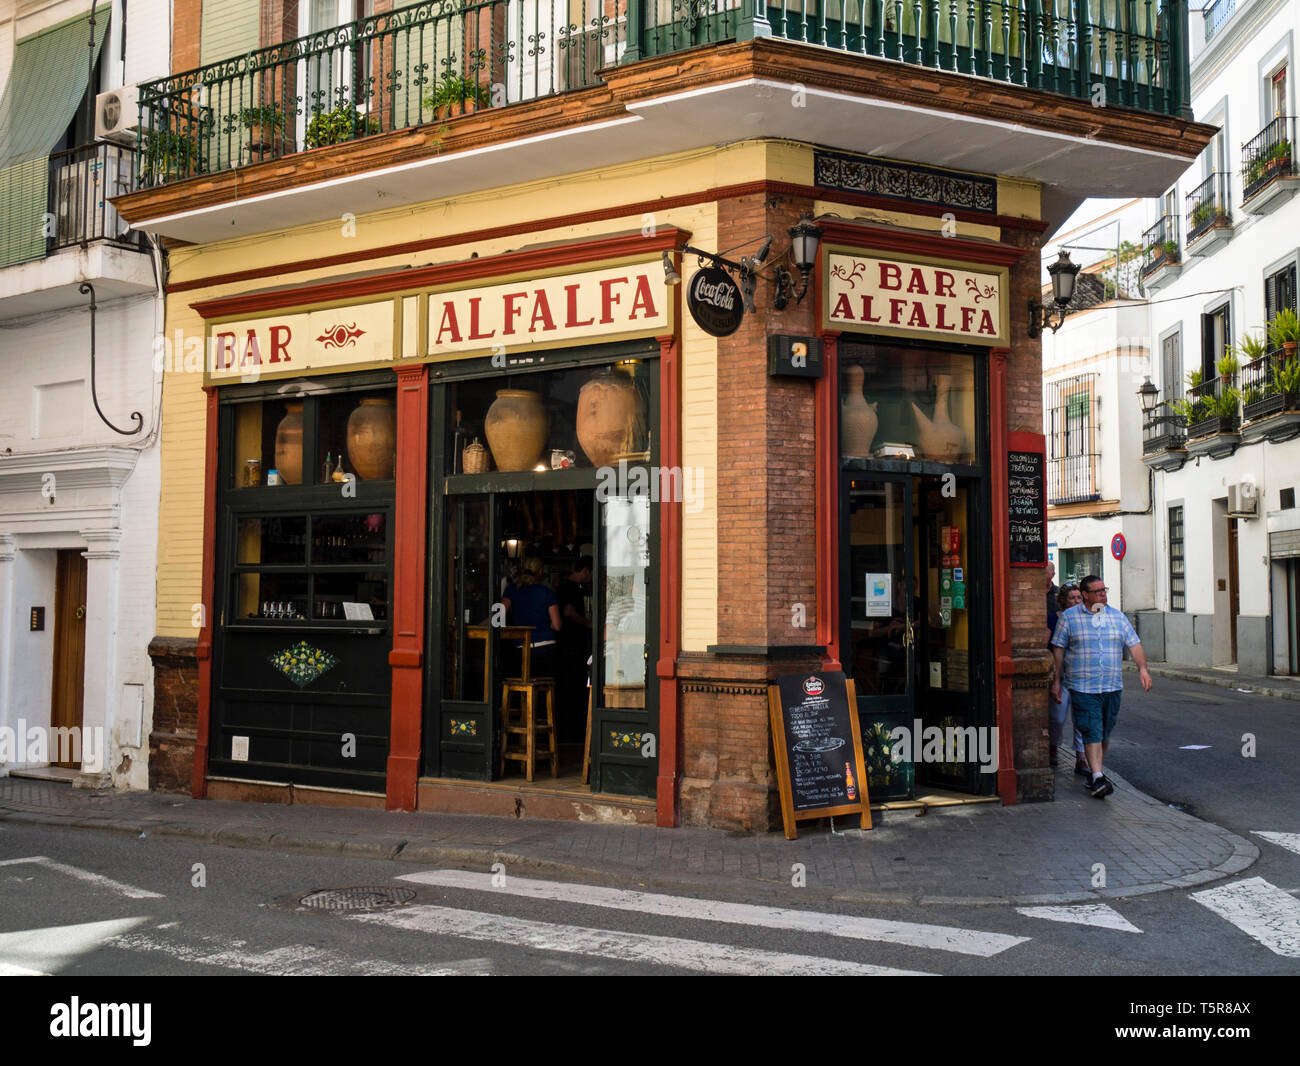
{"x":857,"y":417}
{"x":608,"y":417}
{"x":939,"y":438}
{"x":372,"y":437}
{"x":516,"y":429}
{"x":288,"y":444}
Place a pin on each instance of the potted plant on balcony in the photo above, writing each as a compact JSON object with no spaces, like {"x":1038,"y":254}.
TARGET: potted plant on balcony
{"x":1279,"y":158}
{"x":1284,"y":332}
{"x":344,"y":123}
{"x":453,"y":92}
{"x":1249,"y":348}
{"x":1286,"y":380}
{"x":265,"y":125}
{"x":1170,"y":249}
{"x":167,"y":155}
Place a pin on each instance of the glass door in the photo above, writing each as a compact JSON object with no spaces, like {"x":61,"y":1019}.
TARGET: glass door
{"x":879,"y":618}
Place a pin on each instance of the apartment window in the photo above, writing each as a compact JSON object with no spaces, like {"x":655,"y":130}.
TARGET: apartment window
{"x":1277,"y":92}
{"x":1072,"y":466}
{"x":1171,"y":367}
{"x":1215,"y":338}
{"x":1177,"y":562}
{"x":1078,"y":563}
{"x":1279,"y":291}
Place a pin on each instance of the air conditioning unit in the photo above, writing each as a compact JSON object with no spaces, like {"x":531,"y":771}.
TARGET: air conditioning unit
{"x":1243,"y":500}
{"x":117,"y":115}
{"x":81,"y":194}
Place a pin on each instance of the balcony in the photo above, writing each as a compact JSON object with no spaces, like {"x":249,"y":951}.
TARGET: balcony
{"x":1208,"y":221}
{"x":412,"y":94}
{"x":1164,"y":437}
{"x":80,"y":238}
{"x":1269,"y":173}
{"x":1161,"y":259}
{"x":1270,"y":397}
{"x":1072,"y":479}
{"x":1216,"y":15}
{"x":1213,"y":413}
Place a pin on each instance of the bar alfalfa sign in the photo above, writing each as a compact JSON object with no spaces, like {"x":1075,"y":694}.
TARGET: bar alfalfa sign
{"x":922,"y":297}
{"x":818,"y":746}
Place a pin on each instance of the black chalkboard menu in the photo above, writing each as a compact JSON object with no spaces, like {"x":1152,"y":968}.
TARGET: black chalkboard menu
{"x":818,"y":747}
{"x":1028,"y":505}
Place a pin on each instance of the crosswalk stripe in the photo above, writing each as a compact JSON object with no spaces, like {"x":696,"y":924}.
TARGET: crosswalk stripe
{"x":54,"y":947}
{"x":1290,"y":841}
{"x":937,"y":937}
{"x":621,"y":946}
{"x":129,"y":891}
{"x":1260,"y":910}
{"x":1097,"y":914}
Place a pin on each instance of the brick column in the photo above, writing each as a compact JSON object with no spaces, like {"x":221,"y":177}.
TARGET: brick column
{"x":175,"y":714}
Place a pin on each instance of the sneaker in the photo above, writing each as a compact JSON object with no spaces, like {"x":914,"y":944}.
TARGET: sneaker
{"x":1101,"y":788}
{"x":1082,"y":768}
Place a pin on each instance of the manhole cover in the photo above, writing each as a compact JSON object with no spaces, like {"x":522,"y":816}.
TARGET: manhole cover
{"x":361,"y":898}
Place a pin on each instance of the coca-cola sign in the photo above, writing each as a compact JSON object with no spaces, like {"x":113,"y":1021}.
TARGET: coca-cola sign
{"x":715,"y":302}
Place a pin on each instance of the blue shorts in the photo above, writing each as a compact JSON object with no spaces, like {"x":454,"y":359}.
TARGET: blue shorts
{"x":1095,"y":714}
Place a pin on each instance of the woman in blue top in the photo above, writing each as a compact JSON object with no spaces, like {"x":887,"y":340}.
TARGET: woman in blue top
{"x":531,"y":602}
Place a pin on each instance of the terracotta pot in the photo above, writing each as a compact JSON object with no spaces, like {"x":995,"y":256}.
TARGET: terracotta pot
{"x":516,"y":429}
{"x":939,"y":438}
{"x":609,"y":417}
{"x":288,"y":444}
{"x":857,"y":417}
{"x":372,"y":438}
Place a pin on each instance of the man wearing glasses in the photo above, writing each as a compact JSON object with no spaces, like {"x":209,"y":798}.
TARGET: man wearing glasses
{"x":1088,"y":647}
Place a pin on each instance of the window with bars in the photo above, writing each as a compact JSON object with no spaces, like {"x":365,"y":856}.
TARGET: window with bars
{"x":1072,"y":440}
{"x":1177,"y":562}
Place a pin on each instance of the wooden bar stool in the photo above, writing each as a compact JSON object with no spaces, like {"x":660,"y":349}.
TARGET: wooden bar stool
{"x":520,"y":723}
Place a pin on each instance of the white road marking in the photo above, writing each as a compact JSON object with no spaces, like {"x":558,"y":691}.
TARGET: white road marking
{"x":621,"y":946}
{"x":1290,"y":841}
{"x":300,"y":960}
{"x":17,"y":971}
{"x":130,"y":891}
{"x":55,"y":948}
{"x":1260,"y":910}
{"x":1193,"y":747}
{"x":937,"y":937}
{"x":1098,"y":914}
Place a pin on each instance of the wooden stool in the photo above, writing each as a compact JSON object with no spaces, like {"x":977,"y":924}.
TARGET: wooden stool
{"x":521,"y":720}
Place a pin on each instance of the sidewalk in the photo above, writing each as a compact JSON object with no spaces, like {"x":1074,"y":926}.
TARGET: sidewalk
{"x":1282,"y":687}
{"x":975,"y":854}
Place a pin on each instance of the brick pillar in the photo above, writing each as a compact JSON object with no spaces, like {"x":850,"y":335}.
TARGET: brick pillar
{"x":175,"y":714}
{"x":767,"y":549}
{"x":187,"y":18}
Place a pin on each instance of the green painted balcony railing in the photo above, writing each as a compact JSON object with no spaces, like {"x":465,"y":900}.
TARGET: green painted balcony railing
{"x":431,"y":62}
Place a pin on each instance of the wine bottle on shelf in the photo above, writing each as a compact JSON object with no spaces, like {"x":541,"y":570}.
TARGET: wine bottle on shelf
{"x":327,"y":468}
{"x":338,"y":470}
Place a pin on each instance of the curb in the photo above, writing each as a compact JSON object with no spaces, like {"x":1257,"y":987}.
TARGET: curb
{"x":1237,"y":683}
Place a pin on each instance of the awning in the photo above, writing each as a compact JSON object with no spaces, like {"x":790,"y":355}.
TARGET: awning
{"x":47,"y":84}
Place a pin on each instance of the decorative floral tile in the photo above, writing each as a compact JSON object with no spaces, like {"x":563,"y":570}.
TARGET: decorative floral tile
{"x":466,"y":728}
{"x":302,"y":664}
{"x":624,"y":740}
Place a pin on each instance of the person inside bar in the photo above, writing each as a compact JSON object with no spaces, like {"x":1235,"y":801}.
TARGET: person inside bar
{"x":530,"y":602}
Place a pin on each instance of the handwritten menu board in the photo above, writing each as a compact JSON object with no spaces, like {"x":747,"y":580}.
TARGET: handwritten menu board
{"x":818,"y":746}
{"x":1025,"y":493}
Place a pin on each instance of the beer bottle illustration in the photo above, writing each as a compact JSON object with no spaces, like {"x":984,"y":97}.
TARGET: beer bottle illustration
{"x":850,"y":785}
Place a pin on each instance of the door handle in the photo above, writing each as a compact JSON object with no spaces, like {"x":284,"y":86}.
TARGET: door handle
{"x":81,"y":611}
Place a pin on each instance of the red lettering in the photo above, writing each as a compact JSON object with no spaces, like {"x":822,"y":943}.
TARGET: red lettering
{"x":918,"y":318}
{"x":474,"y":333}
{"x":986,"y":324}
{"x":942,"y":321}
{"x":251,"y":347}
{"x":943,"y":282}
{"x":644,"y":298}
{"x":225,"y":351}
{"x":512,"y":312}
{"x":891,"y":276}
{"x":448,"y":324}
{"x":967,"y":317}
{"x":608,"y":299}
{"x":541,"y":313}
{"x":279,"y":345}
{"x":896,"y":310}
{"x":841,"y":308}
{"x":917,"y":282}
{"x":571,"y":299}
{"x":867,"y":316}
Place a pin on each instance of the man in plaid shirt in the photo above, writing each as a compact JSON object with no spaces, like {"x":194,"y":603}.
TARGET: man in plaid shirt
{"x":1088,"y":648}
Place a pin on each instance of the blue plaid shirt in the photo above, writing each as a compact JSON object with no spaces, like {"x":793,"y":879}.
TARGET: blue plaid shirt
{"x":1094,"y":653}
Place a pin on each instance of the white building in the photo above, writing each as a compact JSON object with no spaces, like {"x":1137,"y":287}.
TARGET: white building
{"x":1221,"y":263}
{"x":80,"y":403}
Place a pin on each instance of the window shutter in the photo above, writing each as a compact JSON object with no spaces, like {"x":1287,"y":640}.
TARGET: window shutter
{"x":1207,"y":347}
{"x":1270,"y":297}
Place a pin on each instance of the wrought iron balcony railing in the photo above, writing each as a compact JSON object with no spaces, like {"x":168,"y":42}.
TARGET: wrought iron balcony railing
{"x":1165,"y":429}
{"x":1216,"y":15}
{"x":1072,"y":478}
{"x":1160,"y":245}
{"x":438,"y":60}
{"x":1212,"y":407}
{"x":1269,"y":155}
{"x":1270,"y":385}
{"x":81,"y":182}
{"x":1206,"y":205}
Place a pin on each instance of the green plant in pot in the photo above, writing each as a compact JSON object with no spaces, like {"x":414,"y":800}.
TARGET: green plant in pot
{"x":342,"y":124}
{"x":265,"y":125}
{"x":1284,"y":331}
{"x":1227,"y":366}
{"x":1286,"y":379}
{"x":1170,"y":249}
{"x":1249,"y":348}
{"x":455,"y":94}
{"x":167,"y":155}
{"x":1224,"y":405}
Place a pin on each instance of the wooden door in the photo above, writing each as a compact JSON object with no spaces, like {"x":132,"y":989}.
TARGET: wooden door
{"x":68,"y":684}
{"x":1233,"y":606}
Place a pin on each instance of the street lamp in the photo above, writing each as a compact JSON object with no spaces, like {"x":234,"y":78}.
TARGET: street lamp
{"x":1063,"y":273}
